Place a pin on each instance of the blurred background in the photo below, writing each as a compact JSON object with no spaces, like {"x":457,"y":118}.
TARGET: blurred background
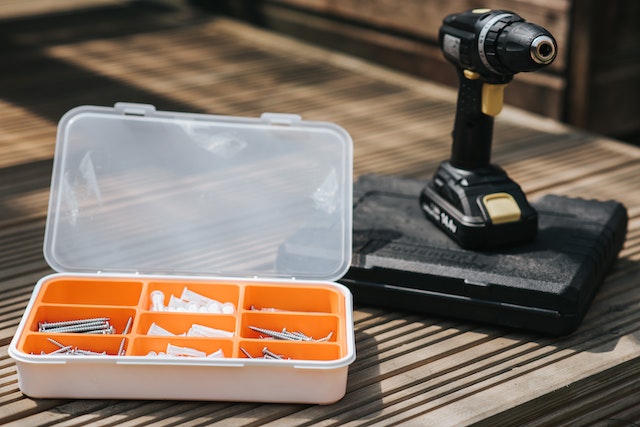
{"x":594,"y":83}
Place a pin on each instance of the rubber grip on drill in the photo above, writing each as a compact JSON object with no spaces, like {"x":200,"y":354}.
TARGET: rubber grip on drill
{"x":472,"y":130}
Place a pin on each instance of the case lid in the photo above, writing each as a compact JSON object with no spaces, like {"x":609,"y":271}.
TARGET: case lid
{"x":135,"y":190}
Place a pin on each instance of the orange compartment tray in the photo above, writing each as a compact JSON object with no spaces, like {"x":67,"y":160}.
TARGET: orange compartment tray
{"x":316,"y":311}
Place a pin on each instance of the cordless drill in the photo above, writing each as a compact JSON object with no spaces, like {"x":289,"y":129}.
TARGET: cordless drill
{"x":470,"y":199}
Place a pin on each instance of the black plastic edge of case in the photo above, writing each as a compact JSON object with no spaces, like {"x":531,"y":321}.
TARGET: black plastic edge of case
{"x":401,"y":261}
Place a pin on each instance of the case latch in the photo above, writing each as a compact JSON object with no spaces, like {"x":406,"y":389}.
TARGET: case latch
{"x":133,"y":109}
{"x":280,"y":118}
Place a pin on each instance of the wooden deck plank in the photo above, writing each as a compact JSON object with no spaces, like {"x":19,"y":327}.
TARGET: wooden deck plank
{"x":410,"y":368}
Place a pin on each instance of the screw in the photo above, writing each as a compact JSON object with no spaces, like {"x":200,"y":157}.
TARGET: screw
{"x":45,"y":326}
{"x":270,"y":355}
{"x":62,"y":350}
{"x":298,"y":334}
{"x":269,"y":309}
{"x":75,"y":351}
{"x":289,"y":336}
{"x":89,"y":352}
{"x":52,"y":341}
{"x":126,"y":328}
{"x":104,"y":331}
{"x":327,"y":338}
{"x":246,"y":353}
{"x":93,"y":327}
{"x":284,"y":335}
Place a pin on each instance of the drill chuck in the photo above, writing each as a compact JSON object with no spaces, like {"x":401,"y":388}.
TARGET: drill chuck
{"x":496,"y":44}
{"x":543,"y":50}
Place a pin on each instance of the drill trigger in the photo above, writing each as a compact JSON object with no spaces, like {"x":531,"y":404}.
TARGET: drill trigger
{"x":492,"y":98}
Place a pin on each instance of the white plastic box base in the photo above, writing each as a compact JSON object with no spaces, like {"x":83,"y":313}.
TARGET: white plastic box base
{"x":315,"y":373}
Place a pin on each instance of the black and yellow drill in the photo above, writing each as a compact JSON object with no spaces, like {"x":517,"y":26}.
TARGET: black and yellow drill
{"x":473,"y":201}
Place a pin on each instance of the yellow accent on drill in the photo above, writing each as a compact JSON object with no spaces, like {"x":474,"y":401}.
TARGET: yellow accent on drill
{"x":471,"y":75}
{"x":492,"y":98}
{"x":502,"y":208}
{"x":480,"y":11}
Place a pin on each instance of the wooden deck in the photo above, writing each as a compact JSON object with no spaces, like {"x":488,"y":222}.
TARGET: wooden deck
{"x":410,"y":369}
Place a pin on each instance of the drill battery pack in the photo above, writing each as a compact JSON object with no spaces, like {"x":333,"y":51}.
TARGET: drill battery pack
{"x":403,"y":261}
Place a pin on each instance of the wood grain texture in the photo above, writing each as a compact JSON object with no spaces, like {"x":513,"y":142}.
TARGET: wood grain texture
{"x":410,"y":369}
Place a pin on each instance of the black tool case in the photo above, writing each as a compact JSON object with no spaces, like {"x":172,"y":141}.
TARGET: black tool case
{"x":401,"y":260}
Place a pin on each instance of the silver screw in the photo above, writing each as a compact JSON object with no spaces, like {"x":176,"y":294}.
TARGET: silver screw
{"x":44,"y":326}
{"x":276,"y":334}
{"x":89,"y":352}
{"x":52,"y":341}
{"x":246,"y":353}
{"x":270,"y":355}
{"x":289,"y":336}
{"x":83,"y":328}
{"x":75,"y":351}
{"x":327,"y":338}
{"x":104,"y":331}
{"x":299,"y":334}
{"x":62,"y":350}
{"x":126,"y":328}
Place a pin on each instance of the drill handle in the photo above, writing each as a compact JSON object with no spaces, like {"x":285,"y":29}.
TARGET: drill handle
{"x":473,"y":129}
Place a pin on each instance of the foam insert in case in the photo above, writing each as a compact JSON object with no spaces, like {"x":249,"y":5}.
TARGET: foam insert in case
{"x":402,"y":260}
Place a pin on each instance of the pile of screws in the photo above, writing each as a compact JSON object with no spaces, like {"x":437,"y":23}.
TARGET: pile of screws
{"x":266,"y":354}
{"x":70,"y":350}
{"x":288,"y":336}
{"x":95,"y":325}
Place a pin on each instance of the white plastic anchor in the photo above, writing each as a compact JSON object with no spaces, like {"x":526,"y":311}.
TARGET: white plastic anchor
{"x":174,"y":350}
{"x":157,"y":301}
{"x":205,"y":331}
{"x":158,"y":331}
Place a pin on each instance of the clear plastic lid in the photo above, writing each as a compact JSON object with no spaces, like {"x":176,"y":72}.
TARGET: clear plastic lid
{"x":135,"y":190}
